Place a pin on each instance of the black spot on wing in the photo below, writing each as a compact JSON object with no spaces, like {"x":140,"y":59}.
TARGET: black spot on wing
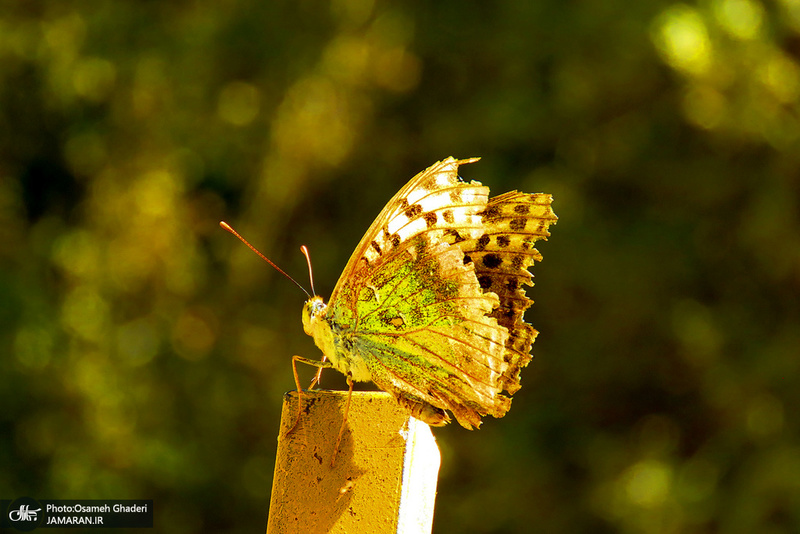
{"x":413,"y":211}
{"x":430,"y":219}
{"x":492,"y":212}
{"x":518,"y":224}
{"x":492,"y":261}
{"x":428,"y":183}
{"x":522,"y":209}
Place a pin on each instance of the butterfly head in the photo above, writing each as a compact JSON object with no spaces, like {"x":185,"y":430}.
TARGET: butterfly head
{"x":313,"y":311}
{"x":316,"y":325}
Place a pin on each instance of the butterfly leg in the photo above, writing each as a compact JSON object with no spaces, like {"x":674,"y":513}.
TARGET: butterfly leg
{"x":317,"y":377}
{"x":344,"y":420}
{"x":316,"y":363}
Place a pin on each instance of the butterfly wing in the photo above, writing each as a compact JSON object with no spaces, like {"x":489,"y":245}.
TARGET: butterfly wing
{"x":512,"y":223}
{"x":410,"y":305}
{"x":435,"y":203}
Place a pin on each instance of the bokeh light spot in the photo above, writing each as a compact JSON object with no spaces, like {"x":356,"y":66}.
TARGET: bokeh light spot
{"x":647,"y":483}
{"x":78,"y":253}
{"x":93,"y":78}
{"x":155,"y":193}
{"x":397,"y":70}
{"x":791,"y":10}
{"x":33,"y":347}
{"x":346,"y":59}
{"x":128,"y":264}
{"x":85,"y":313}
{"x":682,"y":38}
{"x":109,"y":422}
{"x":782,"y":75}
{"x":138,"y":341}
{"x":740,"y":18}
{"x":239,"y":103}
{"x":704,"y":107}
{"x":65,"y":34}
{"x":314,"y":104}
{"x":22,"y":38}
{"x":392,"y":29}
{"x":353,"y":12}
{"x":98,"y":380}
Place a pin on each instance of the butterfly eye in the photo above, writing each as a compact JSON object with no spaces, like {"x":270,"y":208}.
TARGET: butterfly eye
{"x":311,"y":310}
{"x":306,"y":315}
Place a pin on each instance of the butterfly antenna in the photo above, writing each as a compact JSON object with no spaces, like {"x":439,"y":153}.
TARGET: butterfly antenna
{"x":227,"y":227}
{"x":304,"y":250}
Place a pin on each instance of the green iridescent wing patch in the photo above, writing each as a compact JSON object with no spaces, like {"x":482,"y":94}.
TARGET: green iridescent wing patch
{"x":430,"y":305}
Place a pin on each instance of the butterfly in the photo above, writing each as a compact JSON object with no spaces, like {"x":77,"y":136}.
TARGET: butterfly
{"x":430,"y":305}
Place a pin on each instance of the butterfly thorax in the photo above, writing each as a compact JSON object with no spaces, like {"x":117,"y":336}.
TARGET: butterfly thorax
{"x":330,"y":339}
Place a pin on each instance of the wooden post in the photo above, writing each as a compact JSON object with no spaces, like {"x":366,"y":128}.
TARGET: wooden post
{"x":384,"y":477}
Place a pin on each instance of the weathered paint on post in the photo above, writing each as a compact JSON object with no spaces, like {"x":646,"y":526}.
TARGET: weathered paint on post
{"x":384,"y":477}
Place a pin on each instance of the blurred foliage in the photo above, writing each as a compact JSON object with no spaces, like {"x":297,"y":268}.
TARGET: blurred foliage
{"x":145,"y":351}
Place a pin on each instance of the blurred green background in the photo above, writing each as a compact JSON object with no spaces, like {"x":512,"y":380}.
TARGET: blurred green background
{"x":144,"y":351}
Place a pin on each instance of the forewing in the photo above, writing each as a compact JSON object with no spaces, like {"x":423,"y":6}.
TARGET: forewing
{"x":434,"y":203}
